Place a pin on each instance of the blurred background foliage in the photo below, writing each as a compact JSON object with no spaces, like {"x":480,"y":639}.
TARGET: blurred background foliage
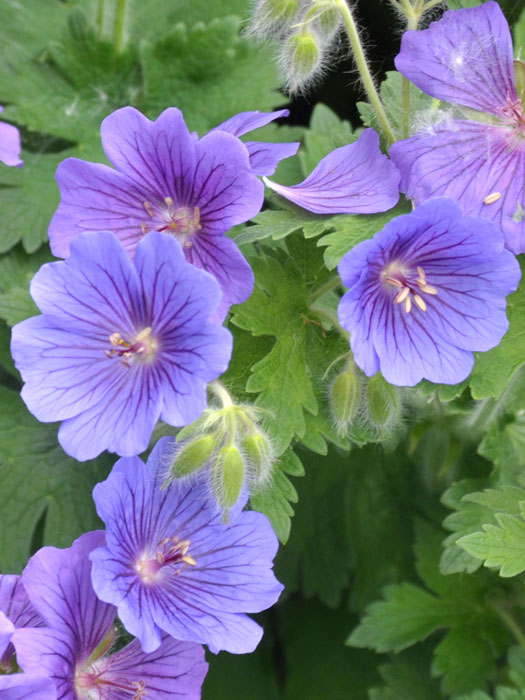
{"x":381,"y":601}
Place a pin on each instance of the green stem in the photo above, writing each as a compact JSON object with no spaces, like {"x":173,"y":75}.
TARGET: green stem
{"x":364,"y":71}
{"x":412,"y":22}
{"x":101,"y":13}
{"x":221,"y":393}
{"x":331,"y":317}
{"x":324,"y":289}
{"x":119,"y":26}
{"x":509,"y":621}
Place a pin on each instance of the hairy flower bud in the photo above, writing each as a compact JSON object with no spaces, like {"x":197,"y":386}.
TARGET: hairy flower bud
{"x":273,"y":18}
{"x":301,"y":59}
{"x":259,"y":453}
{"x":382,"y":401}
{"x":326,"y":20}
{"x":227,"y":477}
{"x":192,"y":456}
{"x":344,"y":397}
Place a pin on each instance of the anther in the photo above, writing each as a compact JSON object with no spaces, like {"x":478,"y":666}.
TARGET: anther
{"x":420,"y":302}
{"x":408,"y":304}
{"x":143,"y":228}
{"x":421,"y":274}
{"x":149,"y":209}
{"x":394,"y":282}
{"x":492,"y":197}
{"x":403,"y":294}
{"x":169,"y":201}
{"x":428,"y":289}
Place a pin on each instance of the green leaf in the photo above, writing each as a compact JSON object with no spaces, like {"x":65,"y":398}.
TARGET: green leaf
{"x":210,"y":71}
{"x":16,"y":271}
{"x":351,"y":229}
{"x":318,"y":664}
{"x":407,"y":678}
{"x":37,"y":478}
{"x":449,"y":660}
{"x":501,"y":545}
{"x":279,"y":223}
{"x":279,"y":307}
{"x":275,"y":500}
{"x":77,"y":82}
{"x":407,"y":614}
{"x":494,"y":369}
{"x":392,"y":97}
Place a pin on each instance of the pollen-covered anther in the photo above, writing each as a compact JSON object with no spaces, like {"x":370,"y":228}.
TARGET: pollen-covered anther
{"x":420,"y":302}
{"x":149,"y":209}
{"x":492,"y":197}
{"x":403,"y":294}
{"x":408,"y":304}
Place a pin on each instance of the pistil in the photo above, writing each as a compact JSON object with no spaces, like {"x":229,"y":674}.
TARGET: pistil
{"x":144,"y":346}
{"x":171,"y":551}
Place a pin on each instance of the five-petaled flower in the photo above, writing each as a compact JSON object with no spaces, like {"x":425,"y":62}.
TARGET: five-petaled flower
{"x":425,"y":292}
{"x":73,"y":650}
{"x":167,"y":179}
{"x":121,"y":343}
{"x":466,"y":58}
{"x":171,"y":565}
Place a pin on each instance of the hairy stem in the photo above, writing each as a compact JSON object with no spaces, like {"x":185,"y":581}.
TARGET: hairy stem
{"x":324,"y":289}
{"x":119,"y":26}
{"x":331,"y":317}
{"x":509,"y":621}
{"x":364,"y":70}
{"x":220,"y":391}
{"x":101,"y":13}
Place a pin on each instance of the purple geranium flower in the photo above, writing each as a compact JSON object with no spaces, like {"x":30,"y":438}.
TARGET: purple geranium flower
{"x":15,"y":611}
{"x":20,"y":686}
{"x":74,"y":649}
{"x":171,"y":565}
{"x":121,"y":343}
{"x":264,"y":157}
{"x":425,"y":292}
{"x":167,"y":180}
{"x":9,"y":144}
{"x":466,"y":58}
{"x":353,"y":179}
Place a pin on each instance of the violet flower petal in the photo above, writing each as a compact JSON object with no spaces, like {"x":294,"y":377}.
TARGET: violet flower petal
{"x":353,"y":179}
{"x":19,"y":686}
{"x":469,"y":161}
{"x":465,"y":58}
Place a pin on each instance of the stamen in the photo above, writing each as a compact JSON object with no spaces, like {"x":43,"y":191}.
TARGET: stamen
{"x":428,"y":289}
{"x":394,"y":282}
{"x":400,"y":298}
{"x":169,"y":201}
{"x":149,"y":209}
{"x":421,"y":274}
{"x":408,"y":304}
{"x":143,"y":228}
{"x":420,"y":302}
{"x":492,"y":197}
{"x":144,"y":333}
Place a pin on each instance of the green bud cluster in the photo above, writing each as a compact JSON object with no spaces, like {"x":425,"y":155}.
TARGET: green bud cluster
{"x":357,"y":402}
{"x":229,"y":441}
{"x":304,"y":29}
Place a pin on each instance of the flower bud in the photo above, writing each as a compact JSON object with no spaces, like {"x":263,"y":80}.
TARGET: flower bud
{"x":382,"y":401}
{"x":344,"y":397}
{"x":273,"y":18}
{"x":192,"y":456}
{"x":325,"y":19}
{"x":259,"y":453}
{"x":227,"y":477}
{"x":301,"y":59}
